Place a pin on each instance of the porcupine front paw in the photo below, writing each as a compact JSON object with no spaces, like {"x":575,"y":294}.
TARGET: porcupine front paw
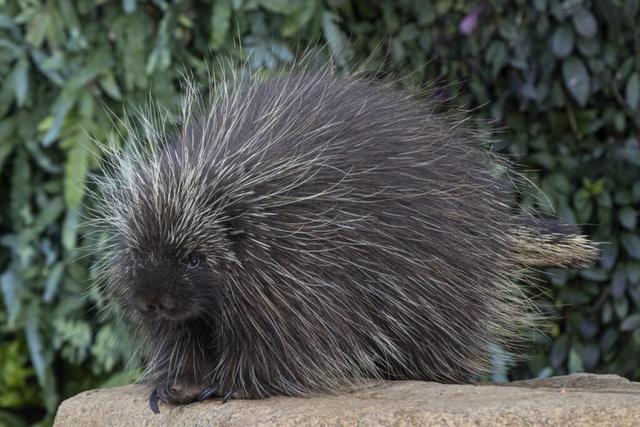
{"x":179,"y":394}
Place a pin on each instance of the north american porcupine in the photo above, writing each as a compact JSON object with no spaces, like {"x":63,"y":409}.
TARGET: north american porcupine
{"x":309,"y":231}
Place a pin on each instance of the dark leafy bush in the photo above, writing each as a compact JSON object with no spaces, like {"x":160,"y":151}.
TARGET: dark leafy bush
{"x":559,"y":79}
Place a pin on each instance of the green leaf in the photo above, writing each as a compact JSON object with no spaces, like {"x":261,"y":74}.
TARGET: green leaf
{"x":583,"y":204}
{"x":75,"y":169}
{"x":45,"y":29}
{"x":606,"y":313}
{"x":589,"y":47}
{"x":621,"y":307}
{"x":52,"y":283}
{"x":624,"y":198}
{"x":631,"y":323}
{"x":408,"y":33}
{"x":585,"y":23}
{"x":609,"y":339}
{"x":21,"y":190}
{"x":36,"y":347}
{"x":540,"y":5}
{"x":6,"y":148}
{"x":497,"y":54}
{"x":70,"y":229}
{"x":636,"y":192}
{"x":8,"y":142}
{"x":41,"y":158}
{"x":618,"y":284}
{"x":132,"y":34}
{"x":509,"y":31}
{"x":633,"y":272}
{"x":7,"y":23}
{"x":628,"y":218}
{"x":10,"y":283}
{"x":48,"y":215}
{"x":620,"y":121}
{"x":60,"y":108}
{"x":293,"y":23}
{"x":337,"y":41}
{"x":21,"y":80}
{"x":110,"y":86}
{"x":129,"y":6}
{"x":284,"y":7}
{"x":631,"y":9}
{"x":562,"y":41}
{"x":576,"y":79}
{"x":97,"y":64}
{"x":595,"y":274}
{"x":590,"y":355}
{"x":559,"y":351}
{"x":575,"y":362}
{"x":632,"y":91}
{"x":631,"y":243}
{"x":220,"y":23}
{"x":160,"y":57}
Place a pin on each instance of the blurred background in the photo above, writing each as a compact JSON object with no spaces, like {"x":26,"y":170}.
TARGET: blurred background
{"x":558,"y":80}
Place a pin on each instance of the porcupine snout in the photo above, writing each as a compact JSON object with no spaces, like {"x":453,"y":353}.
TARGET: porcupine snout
{"x":158,"y":290}
{"x":151,"y":293}
{"x":152,"y":303}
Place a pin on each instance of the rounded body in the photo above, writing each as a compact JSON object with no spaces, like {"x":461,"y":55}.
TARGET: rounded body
{"x":308,"y":232}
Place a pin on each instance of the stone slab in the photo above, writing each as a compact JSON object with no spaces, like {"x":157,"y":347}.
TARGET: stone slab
{"x":574,"y":400}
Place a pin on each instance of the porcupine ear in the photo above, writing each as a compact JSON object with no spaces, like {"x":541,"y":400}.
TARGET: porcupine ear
{"x":551,"y":243}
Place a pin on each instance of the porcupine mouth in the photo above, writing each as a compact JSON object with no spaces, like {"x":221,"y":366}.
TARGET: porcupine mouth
{"x":177,"y":315}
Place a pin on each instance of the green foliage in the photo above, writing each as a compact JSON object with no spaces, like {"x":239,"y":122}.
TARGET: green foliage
{"x":561,"y":79}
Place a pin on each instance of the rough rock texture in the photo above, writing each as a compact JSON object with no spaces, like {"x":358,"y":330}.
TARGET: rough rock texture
{"x":574,"y":400}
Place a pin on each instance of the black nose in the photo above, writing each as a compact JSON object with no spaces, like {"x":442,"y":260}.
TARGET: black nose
{"x":158,"y":304}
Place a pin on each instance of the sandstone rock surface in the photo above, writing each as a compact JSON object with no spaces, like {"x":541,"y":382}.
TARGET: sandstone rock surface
{"x":574,"y":400}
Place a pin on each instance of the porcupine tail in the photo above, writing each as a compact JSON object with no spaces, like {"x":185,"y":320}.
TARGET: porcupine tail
{"x":551,"y":243}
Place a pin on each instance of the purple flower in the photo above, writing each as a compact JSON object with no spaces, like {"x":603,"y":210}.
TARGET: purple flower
{"x":470,"y":22}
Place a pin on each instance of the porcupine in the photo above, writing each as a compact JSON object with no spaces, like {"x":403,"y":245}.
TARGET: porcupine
{"x":307,"y":232}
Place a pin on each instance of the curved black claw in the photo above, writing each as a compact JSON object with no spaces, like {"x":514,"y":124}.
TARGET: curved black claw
{"x":160,"y":393}
{"x":153,"y":401}
{"x":208,"y":393}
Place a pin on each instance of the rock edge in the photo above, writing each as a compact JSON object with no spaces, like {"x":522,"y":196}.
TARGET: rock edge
{"x":578,"y":399}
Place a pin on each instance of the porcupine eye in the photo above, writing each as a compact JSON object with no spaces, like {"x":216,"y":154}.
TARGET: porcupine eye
{"x":193,"y":261}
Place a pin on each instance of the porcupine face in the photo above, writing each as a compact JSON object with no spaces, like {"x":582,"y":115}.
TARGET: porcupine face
{"x":164,"y":284}
{"x":172,"y":241}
